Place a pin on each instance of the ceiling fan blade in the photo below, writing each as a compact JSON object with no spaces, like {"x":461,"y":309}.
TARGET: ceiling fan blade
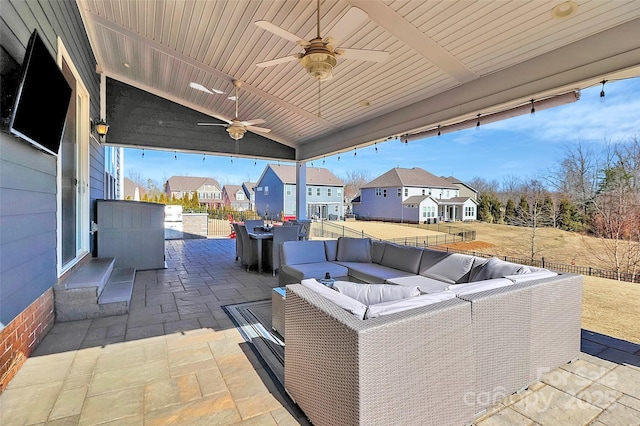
{"x":211,"y":124}
{"x":362,"y":55}
{"x":277,"y":61}
{"x":258,"y":129}
{"x":252,"y":122}
{"x":266,"y":25}
{"x":349,"y":22}
{"x":202,"y":88}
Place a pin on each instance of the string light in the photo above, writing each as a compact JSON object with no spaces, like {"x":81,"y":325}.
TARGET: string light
{"x":142,"y":152}
{"x":478,"y":123}
{"x":375,"y":146}
{"x":255,"y":162}
{"x":338,"y":156}
{"x":355,"y":153}
{"x":203,"y":157}
{"x":232,"y":159}
{"x":439,"y":132}
{"x":175,"y":155}
{"x":533,"y":107}
{"x":323,"y":160}
{"x":602,"y":91}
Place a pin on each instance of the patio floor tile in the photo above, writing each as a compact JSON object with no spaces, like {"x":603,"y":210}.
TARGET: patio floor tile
{"x":178,"y":358}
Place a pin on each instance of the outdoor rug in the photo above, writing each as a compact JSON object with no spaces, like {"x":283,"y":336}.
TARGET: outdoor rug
{"x":253,"y":320}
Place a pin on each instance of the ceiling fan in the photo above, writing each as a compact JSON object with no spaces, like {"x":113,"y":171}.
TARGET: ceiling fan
{"x":237,"y":128}
{"x":319,"y":56}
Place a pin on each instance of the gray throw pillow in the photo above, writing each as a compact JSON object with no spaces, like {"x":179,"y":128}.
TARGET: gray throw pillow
{"x":354,"y":250}
{"x":496,"y":268}
{"x":377,"y":251}
{"x":404,"y":258}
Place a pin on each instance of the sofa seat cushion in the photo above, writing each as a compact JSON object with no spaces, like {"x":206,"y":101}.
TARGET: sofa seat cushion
{"x":299,"y":252}
{"x":405,"y":258}
{"x":452,"y":268}
{"x":372,"y":272}
{"x":315,"y":270}
{"x":371,"y":294}
{"x":354,"y":250}
{"x":478,"y":286}
{"x":426,"y":285}
{"x":386,"y":308}
{"x":347,"y":303}
{"x":496,"y":268}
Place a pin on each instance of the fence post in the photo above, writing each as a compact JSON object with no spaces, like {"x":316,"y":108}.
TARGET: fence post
{"x":543,"y":261}
{"x":589,"y":270}
{"x":362,"y":233}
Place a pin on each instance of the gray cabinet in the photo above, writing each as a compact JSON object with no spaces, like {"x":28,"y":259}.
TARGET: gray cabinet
{"x":132,"y":232}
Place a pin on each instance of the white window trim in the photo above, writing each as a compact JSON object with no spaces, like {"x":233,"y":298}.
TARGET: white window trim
{"x":83,"y":129}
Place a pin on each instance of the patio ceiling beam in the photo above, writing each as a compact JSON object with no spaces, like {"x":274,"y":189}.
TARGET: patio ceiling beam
{"x":571,"y":67}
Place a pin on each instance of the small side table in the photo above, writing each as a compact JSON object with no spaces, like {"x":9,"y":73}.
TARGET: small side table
{"x":278,"y":296}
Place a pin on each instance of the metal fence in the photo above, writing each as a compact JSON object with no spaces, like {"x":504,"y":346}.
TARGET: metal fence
{"x":218,"y":228}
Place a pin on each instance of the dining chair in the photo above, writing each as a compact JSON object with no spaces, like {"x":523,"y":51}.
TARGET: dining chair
{"x":249,"y":248}
{"x":238,"y":242}
{"x":305,"y":228}
{"x":280,"y":235}
{"x":251,"y":224}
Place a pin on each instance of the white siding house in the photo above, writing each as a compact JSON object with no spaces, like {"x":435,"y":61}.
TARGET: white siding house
{"x":413,"y":195}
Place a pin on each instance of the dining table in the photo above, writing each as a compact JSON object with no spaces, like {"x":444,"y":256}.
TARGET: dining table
{"x":261,"y":234}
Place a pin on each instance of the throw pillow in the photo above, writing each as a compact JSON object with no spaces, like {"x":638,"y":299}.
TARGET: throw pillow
{"x":404,"y":258}
{"x":393,"y":307}
{"x":370,"y":294}
{"x":345,"y":302}
{"x":496,"y":268}
{"x":354,"y":250}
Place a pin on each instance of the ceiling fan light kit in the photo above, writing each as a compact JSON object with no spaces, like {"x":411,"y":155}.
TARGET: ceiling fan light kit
{"x":319,"y":64}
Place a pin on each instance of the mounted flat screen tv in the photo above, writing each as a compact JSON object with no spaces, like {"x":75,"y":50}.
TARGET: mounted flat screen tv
{"x":42,"y":99}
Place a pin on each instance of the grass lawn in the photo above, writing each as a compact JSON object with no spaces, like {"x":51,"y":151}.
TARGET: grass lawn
{"x":608,"y":306}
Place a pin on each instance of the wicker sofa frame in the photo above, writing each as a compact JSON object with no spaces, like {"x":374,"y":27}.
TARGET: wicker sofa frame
{"x":440,"y":364}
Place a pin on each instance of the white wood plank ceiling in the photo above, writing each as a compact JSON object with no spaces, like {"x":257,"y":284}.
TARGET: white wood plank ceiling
{"x":447,"y":59}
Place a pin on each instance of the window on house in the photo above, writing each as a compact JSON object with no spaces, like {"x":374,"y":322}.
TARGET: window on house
{"x":423,"y":192}
{"x":328,"y":192}
{"x":424,"y":212}
{"x":240,"y":196}
{"x":335,"y":209}
{"x":470,"y":211}
{"x":384,"y":192}
{"x":309,"y":191}
{"x":339,"y":192}
{"x":289,"y":190}
{"x":318,"y":192}
{"x":406,"y":192}
{"x":266,"y":190}
{"x":399,"y":192}
{"x":378,"y":192}
{"x":447,"y":194}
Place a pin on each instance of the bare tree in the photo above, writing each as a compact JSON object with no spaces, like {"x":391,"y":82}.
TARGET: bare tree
{"x":530,"y":212}
{"x":484,"y":186}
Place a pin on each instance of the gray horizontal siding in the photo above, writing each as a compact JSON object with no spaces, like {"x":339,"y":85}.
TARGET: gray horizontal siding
{"x":28,"y":177}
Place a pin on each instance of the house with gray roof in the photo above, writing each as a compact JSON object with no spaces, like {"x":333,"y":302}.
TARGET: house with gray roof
{"x":465,"y":189}
{"x":276,"y":193}
{"x":208,"y":189}
{"x":413,"y":195}
{"x":234,"y":196}
{"x":249,"y":192}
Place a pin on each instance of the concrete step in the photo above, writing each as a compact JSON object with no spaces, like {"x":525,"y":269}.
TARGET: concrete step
{"x":119,"y":287}
{"x":95,"y":290}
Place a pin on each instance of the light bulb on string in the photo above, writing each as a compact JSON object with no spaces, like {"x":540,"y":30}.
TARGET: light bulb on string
{"x":232,"y":160}
{"x":142,"y":152}
{"x":602,"y":91}
{"x":255,"y":162}
{"x":478,"y":123}
{"x":203,"y":156}
{"x":323,"y":160}
{"x":375,"y":146}
{"x":533,"y":107}
{"x":175,"y":155}
{"x":439,"y":131}
{"x":355,"y":152}
{"x":338,"y":157}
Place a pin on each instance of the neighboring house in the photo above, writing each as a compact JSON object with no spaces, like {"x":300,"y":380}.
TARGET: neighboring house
{"x":464,"y":189}
{"x":234,"y":196}
{"x":250,"y":194}
{"x":208,"y":189}
{"x":130,"y":188}
{"x":413,"y":195}
{"x":276,"y":193}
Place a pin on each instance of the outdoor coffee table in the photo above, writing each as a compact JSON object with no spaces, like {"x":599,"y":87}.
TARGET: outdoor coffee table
{"x":278,"y":296}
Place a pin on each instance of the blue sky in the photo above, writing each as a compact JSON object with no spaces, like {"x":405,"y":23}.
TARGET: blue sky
{"x":524,"y":146}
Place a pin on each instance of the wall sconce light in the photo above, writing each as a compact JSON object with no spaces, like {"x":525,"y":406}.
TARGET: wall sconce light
{"x":101,"y":128}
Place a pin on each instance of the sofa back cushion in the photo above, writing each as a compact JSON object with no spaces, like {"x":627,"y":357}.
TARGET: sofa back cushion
{"x":331,"y":249}
{"x":370,"y":294}
{"x":387,"y":308}
{"x":299,"y":252}
{"x":478,"y":286}
{"x":345,"y":302}
{"x":450,"y":268}
{"x":496,"y":268}
{"x":354,"y":250}
{"x":377,"y":251}
{"x":405,"y":258}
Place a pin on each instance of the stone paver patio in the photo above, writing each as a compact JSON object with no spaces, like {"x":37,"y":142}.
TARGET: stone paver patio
{"x":176,"y":358}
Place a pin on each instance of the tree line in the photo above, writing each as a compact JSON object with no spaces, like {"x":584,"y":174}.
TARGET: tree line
{"x":595,"y":191}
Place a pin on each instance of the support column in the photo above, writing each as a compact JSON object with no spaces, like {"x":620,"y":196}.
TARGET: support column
{"x":301,"y":190}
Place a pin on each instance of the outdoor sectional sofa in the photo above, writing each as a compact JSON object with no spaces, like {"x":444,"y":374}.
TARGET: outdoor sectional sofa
{"x":452,"y":351}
